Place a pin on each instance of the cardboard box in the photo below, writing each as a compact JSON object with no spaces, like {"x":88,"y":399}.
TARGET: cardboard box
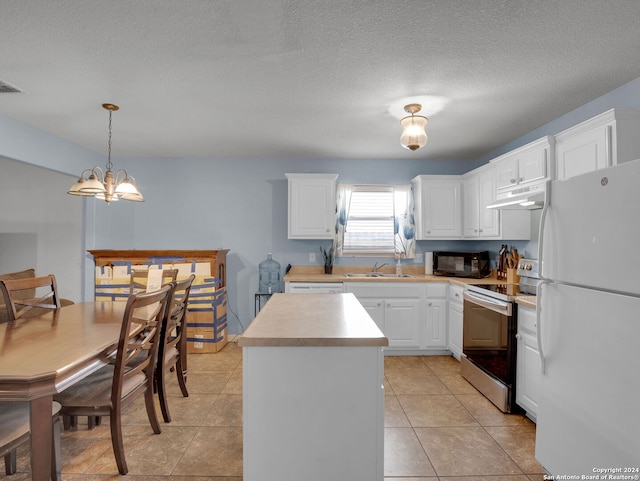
{"x":207,"y":321}
{"x":201,"y":340}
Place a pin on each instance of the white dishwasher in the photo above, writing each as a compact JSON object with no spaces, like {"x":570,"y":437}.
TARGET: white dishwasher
{"x":314,"y":287}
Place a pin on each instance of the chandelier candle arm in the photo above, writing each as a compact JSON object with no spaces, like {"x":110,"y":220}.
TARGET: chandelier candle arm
{"x":103,"y":184}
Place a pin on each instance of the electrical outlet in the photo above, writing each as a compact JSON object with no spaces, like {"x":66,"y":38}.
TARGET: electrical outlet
{"x":419,"y":258}
{"x":312,"y":256}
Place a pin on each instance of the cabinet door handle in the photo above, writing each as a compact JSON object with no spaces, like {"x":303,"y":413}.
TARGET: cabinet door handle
{"x":517,"y":336}
{"x":512,"y":181}
{"x":430,"y":304}
{"x":379,"y":304}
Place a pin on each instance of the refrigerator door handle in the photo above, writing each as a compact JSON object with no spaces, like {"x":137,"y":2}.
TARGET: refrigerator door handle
{"x":543,"y":219}
{"x":538,"y":323}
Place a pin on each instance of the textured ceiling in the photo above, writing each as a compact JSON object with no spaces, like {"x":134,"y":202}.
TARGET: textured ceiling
{"x":308,"y":79}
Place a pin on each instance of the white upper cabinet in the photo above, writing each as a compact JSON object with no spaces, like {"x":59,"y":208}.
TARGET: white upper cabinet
{"x":527,"y":164}
{"x":438,"y":204}
{"x":312,"y":204}
{"x":470,"y":206}
{"x":605,"y":140}
{"x":479,"y":191}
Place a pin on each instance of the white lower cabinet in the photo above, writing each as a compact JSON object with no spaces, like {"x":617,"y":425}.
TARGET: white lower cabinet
{"x":397,"y":318}
{"x":412,"y":316}
{"x":402,"y":322}
{"x":455,"y":320}
{"x":395,"y":308}
{"x":375,"y":308}
{"x":436,"y":315}
{"x":528,"y":362}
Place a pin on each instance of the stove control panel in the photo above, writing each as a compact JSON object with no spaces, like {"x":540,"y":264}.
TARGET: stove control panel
{"x":528,"y":268}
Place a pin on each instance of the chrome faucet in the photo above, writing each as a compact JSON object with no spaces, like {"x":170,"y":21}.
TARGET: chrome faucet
{"x":376,"y":266}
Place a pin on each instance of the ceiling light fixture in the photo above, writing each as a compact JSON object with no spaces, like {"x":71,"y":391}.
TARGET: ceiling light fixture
{"x":414,"y":135}
{"x":104,"y":185}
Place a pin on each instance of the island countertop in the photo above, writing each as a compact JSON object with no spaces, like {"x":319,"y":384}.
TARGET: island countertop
{"x":313,"y":320}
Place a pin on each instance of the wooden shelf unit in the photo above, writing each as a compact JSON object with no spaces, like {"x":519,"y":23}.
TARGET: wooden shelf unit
{"x":217,"y":258}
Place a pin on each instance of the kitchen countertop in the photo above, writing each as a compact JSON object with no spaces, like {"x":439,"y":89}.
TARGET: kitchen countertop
{"x":527,"y":301}
{"x":316,"y":274}
{"x":297,"y":320}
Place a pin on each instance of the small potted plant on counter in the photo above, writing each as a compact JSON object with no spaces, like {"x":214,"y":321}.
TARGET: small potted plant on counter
{"x":327,"y":255}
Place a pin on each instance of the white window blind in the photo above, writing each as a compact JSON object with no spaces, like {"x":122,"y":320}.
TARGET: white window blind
{"x":371,"y":219}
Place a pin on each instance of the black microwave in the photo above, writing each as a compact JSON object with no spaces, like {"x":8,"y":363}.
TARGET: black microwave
{"x":461,"y":264}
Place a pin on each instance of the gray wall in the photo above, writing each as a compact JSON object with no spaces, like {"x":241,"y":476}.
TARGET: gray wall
{"x":40,"y":225}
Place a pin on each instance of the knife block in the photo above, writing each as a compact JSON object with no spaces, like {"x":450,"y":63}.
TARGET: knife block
{"x":512,"y":276}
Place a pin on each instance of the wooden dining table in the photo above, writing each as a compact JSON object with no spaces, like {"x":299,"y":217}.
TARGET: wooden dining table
{"x":42,"y":355}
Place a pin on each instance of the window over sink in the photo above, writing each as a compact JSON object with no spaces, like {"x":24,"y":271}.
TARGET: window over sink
{"x":375,"y":220}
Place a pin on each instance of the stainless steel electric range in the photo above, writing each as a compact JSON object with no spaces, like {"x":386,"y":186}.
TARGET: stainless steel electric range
{"x":489,"y":328}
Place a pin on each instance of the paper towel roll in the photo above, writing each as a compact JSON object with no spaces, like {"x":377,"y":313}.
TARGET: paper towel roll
{"x":428,"y":263}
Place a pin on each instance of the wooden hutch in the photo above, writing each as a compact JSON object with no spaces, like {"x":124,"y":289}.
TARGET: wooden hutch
{"x":207,"y":309}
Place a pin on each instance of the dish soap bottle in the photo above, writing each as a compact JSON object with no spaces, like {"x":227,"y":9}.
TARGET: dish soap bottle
{"x":399,"y":268}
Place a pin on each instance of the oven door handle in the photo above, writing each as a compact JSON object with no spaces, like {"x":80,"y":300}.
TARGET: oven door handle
{"x":496,"y":306}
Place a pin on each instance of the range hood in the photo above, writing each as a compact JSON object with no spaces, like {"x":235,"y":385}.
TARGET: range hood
{"x":528,"y":197}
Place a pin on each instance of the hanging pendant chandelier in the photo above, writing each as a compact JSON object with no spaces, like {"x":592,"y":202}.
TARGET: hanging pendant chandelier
{"x":104,"y":184}
{"x":414,"y":135}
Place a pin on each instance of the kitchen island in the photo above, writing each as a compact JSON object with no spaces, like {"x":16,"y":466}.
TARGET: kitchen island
{"x":313,"y":401}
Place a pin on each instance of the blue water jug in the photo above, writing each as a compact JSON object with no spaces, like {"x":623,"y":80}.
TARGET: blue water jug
{"x":269,"y":271}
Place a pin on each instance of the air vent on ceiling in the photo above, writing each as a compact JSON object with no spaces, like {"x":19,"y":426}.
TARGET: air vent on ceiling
{"x":6,"y":88}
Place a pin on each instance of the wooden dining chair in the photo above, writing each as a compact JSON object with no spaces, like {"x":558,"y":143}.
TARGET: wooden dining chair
{"x":116,"y":385}
{"x":14,"y":431}
{"x":137,"y":284}
{"x":28,"y":297}
{"x":172,"y":351}
{"x":138,"y":279}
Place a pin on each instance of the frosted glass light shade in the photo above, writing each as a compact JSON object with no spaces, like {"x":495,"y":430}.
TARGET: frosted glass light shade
{"x":136,"y":197}
{"x":93,"y":185}
{"x":76,"y":188}
{"x":126,"y":187}
{"x":414,"y":135}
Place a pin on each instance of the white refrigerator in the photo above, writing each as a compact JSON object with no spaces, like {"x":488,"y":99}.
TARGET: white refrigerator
{"x":589,"y":324}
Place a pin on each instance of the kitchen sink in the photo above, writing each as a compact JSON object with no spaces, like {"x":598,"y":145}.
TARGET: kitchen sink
{"x":377,"y":274}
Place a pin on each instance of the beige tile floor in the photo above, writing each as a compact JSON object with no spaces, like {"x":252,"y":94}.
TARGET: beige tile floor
{"x":437,"y":427}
